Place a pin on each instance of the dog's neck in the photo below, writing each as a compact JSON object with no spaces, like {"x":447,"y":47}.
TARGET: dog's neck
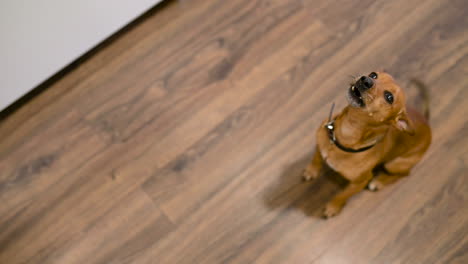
{"x":354,"y":129}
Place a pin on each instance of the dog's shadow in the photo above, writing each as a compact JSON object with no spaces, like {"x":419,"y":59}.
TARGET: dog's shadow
{"x":310,"y":197}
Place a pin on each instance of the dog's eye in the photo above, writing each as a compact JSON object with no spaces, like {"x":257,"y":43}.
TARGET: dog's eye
{"x":373,"y":75}
{"x":388,"y":97}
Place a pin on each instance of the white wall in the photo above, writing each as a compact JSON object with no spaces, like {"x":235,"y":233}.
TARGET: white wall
{"x":40,"y":37}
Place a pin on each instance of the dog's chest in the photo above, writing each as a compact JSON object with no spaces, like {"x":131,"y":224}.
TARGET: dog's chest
{"x":330,"y":157}
{"x":347,"y":164}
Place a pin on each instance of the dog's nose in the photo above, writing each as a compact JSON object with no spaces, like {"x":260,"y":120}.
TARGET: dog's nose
{"x":366,"y":82}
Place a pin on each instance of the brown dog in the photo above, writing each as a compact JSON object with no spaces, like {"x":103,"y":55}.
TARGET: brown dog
{"x":375,"y":130}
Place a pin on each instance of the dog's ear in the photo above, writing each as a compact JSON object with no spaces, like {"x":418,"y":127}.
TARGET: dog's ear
{"x":403,"y":123}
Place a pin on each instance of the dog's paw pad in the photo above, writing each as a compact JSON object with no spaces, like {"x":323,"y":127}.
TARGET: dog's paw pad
{"x":374,"y":186}
{"x":307,"y":175}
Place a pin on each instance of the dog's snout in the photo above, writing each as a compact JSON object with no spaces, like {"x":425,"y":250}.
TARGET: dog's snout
{"x":366,"y":82}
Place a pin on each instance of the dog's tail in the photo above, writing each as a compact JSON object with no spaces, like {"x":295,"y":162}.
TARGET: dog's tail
{"x":424,"y":96}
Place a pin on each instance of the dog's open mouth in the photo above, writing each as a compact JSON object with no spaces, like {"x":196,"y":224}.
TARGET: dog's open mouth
{"x":355,"y":97}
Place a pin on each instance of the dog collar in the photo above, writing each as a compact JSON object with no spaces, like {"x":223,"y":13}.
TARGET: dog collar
{"x":330,"y":126}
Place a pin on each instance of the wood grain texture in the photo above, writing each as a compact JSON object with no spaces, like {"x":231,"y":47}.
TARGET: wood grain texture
{"x":182,"y":140}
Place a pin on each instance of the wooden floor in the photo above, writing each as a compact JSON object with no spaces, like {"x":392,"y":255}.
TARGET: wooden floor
{"x":182,"y":139}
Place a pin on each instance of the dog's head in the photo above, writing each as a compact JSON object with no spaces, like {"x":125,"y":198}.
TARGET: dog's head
{"x":378,"y":97}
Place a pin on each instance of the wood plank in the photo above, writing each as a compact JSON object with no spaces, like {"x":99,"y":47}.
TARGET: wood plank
{"x":182,"y":140}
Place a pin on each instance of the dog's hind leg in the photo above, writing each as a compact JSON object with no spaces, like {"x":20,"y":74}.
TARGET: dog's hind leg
{"x":383,"y":179}
{"x":393,"y":171}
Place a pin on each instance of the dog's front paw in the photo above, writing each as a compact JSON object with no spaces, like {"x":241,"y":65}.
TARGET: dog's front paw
{"x":309,"y":174}
{"x":332,"y":209}
{"x":375,"y":185}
